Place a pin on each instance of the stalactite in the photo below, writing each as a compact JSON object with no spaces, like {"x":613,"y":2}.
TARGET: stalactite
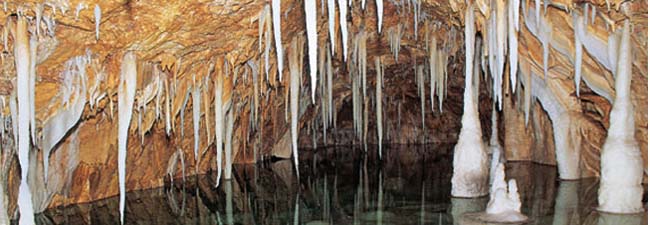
{"x":378,"y":104}
{"x":183,"y":105}
{"x":331,"y":14}
{"x":577,"y":64}
{"x":196,"y":114}
{"x":380,"y":13}
{"x":546,"y":32}
{"x":230,"y":123}
{"x":296,"y":74}
{"x":98,"y":20}
{"x":219,"y":121}
{"x":323,"y":91}
{"x":442,"y":76}
{"x":206,"y":108}
{"x":168,"y":109}
{"x":394,"y":39}
{"x":312,"y":42}
{"x":126,"y":96}
{"x":343,"y":21}
{"x":416,"y":17}
{"x":537,"y":12}
{"x":38,"y":10}
{"x":513,"y":44}
{"x":33,"y":45}
{"x":420,"y":75}
{"x":56,"y":127}
{"x":433,"y":68}
{"x":267,"y":35}
{"x":470,"y":159}
{"x":621,"y":188}
{"x":362,"y":59}
{"x":330,"y":102}
{"x":256,"y":92}
{"x":277,"y":30}
{"x":22,"y":63}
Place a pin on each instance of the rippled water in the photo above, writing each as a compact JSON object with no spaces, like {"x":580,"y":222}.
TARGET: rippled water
{"x":412,"y":185}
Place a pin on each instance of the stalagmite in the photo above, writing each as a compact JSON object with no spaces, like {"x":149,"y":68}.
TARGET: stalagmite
{"x":621,"y":163}
{"x":513,"y":44}
{"x":312,"y":42}
{"x":343,"y":10}
{"x":296,"y":74}
{"x":378,"y":92}
{"x":380,"y":13}
{"x":196,"y":114}
{"x":126,"y":96}
{"x":331,"y":23}
{"x":577,"y":64}
{"x":277,"y":31}
{"x":504,"y":205}
{"x":22,"y":63}
{"x":98,"y":20}
{"x":470,"y":173}
{"x":219,"y":121}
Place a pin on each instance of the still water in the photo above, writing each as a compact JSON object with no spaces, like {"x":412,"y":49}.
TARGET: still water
{"x":412,"y":185}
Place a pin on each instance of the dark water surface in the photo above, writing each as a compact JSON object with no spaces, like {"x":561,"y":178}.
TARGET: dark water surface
{"x":412,"y":185}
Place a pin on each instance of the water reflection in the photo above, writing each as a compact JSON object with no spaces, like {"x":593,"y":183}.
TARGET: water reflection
{"x":344,"y":186}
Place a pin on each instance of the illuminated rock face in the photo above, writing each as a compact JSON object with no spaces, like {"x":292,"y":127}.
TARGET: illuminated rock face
{"x":64,"y":78}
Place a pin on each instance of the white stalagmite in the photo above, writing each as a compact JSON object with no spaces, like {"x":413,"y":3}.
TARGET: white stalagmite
{"x":277,"y":33}
{"x":22,"y":63}
{"x":219,"y":122}
{"x":504,"y":205}
{"x":343,"y":21}
{"x":513,"y":52}
{"x":378,"y":104}
{"x":98,"y":20}
{"x":331,"y":23}
{"x":196,"y":114}
{"x":296,"y":73}
{"x":126,"y":97}
{"x":312,"y":42}
{"x":621,"y":166}
{"x":577,"y":64}
{"x":380,"y":13}
{"x":470,"y":174}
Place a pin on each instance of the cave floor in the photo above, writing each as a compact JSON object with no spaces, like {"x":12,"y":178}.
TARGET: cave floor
{"x":344,"y":185}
